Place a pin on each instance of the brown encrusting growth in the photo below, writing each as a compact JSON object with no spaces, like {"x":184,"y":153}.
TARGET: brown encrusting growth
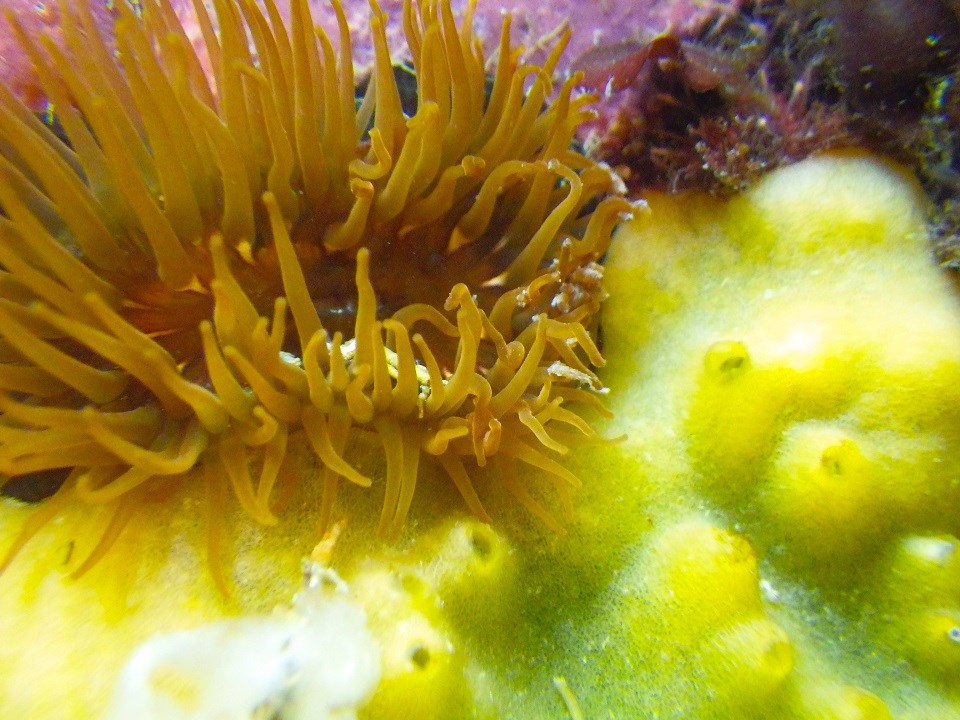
{"x":207,"y":268}
{"x":718,"y":111}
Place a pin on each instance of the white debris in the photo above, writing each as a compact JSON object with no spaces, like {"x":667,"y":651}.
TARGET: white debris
{"x":316,"y":662}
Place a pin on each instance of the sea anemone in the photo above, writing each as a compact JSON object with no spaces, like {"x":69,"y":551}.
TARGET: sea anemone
{"x":440,"y":271}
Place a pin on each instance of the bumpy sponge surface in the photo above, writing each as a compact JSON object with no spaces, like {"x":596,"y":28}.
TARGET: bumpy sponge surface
{"x":787,"y":370}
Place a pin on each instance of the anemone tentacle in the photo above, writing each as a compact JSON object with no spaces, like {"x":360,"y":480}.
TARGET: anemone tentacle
{"x":440,"y":271}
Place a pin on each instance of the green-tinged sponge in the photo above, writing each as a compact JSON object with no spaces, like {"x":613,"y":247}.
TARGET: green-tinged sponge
{"x":796,"y":355}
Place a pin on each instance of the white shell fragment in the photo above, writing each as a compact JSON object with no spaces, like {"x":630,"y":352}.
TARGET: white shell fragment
{"x":316,"y":661}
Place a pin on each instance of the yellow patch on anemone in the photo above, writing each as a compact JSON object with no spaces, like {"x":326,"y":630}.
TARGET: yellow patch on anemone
{"x":209,"y":267}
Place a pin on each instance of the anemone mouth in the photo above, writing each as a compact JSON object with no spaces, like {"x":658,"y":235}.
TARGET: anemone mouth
{"x":209,"y":265}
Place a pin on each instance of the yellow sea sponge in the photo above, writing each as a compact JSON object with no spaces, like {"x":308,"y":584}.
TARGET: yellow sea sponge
{"x":824,"y":493}
{"x":695,"y":602}
{"x":922,"y":617}
{"x":829,"y":701}
{"x":691,"y":559}
{"x":754,"y":658}
{"x":796,"y":353}
{"x":422,"y":662}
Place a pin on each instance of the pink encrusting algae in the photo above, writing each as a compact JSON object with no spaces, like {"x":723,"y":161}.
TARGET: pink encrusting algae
{"x":37,"y":18}
{"x":535,"y":26}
